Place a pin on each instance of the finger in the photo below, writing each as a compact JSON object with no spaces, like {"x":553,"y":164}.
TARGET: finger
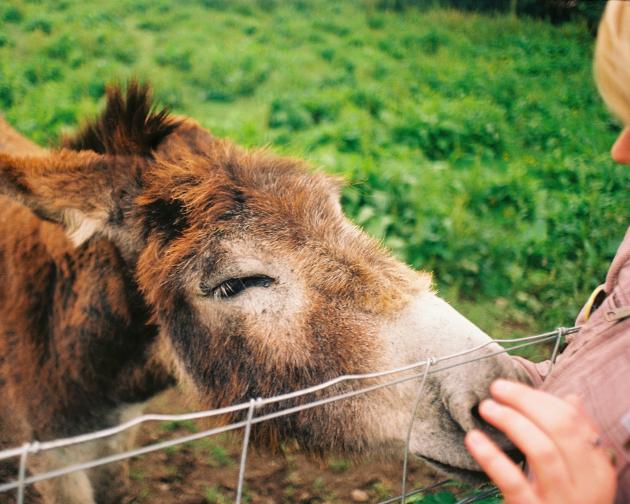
{"x":543,"y":456}
{"x":561,"y":421}
{"x":535,"y":404}
{"x":507,"y":476}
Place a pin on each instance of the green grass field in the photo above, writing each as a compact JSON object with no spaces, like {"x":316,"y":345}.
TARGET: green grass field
{"x":474,"y":146}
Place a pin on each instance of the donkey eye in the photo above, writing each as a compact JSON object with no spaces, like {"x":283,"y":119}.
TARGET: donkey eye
{"x":235,"y":286}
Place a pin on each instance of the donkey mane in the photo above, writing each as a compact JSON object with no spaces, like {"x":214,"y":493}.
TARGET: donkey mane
{"x":130,"y":124}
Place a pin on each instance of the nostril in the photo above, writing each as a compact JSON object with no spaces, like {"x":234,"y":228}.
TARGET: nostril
{"x":476,"y":416}
{"x":464,"y":410}
{"x":480,"y":423}
{"x":514,"y":453}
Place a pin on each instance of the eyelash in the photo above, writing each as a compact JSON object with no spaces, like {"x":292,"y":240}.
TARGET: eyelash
{"x":234,"y":286}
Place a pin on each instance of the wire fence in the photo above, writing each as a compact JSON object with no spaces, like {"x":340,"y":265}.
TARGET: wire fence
{"x":417,"y":371}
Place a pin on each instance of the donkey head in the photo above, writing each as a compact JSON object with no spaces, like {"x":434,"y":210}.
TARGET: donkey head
{"x":259,"y":283}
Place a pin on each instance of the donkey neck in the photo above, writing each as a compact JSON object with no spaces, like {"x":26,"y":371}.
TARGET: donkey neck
{"x":74,"y":328}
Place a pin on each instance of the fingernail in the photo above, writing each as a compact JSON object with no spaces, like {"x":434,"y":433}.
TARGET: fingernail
{"x":501,"y":387}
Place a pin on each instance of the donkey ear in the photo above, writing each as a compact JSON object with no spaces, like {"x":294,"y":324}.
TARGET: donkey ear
{"x":83,"y":185}
{"x":129,"y":125}
{"x":75,"y":189}
{"x":188,"y":138}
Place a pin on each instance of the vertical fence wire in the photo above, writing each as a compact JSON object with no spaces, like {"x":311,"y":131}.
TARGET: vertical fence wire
{"x":246,"y":436}
{"x":22,"y":472}
{"x":430,"y":362}
{"x":561,"y":333}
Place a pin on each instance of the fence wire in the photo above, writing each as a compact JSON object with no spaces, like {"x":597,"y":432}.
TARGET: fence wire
{"x":419,"y":371}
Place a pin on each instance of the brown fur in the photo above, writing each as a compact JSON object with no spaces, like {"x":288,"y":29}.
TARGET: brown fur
{"x":85,"y":329}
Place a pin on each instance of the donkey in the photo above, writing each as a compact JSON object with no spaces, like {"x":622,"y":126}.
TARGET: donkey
{"x":146,"y":252}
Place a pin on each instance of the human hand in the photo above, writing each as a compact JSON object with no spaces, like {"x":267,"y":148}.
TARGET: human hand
{"x":561,"y":445}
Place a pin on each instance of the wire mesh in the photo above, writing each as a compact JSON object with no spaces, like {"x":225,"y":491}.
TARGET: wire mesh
{"x":419,"y":371}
